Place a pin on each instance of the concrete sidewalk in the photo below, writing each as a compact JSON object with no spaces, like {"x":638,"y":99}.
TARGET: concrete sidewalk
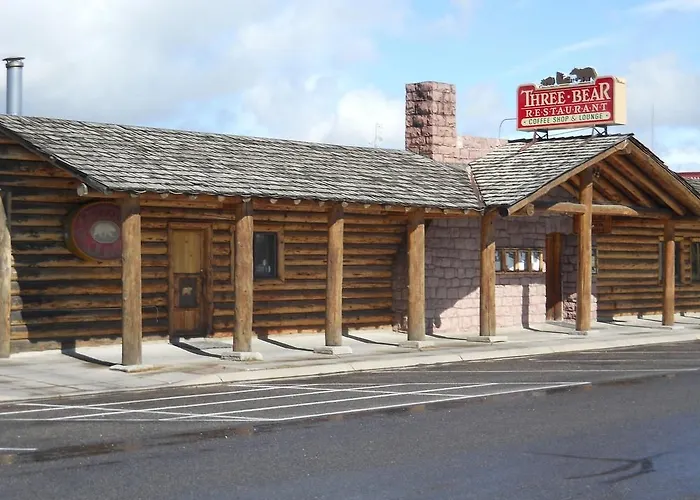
{"x":86,"y":370}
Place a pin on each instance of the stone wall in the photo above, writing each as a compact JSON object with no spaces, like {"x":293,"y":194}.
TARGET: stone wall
{"x":431,"y":120}
{"x":452,"y":274}
{"x":569,"y":270}
{"x":469,"y":148}
{"x":431,"y":125}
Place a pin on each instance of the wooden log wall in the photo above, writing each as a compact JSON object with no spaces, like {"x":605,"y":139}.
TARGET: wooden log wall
{"x":628,"y":280}
{"x":56,"y":295}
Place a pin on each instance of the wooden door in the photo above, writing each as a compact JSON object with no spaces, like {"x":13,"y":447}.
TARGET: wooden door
{"x":189,"y":284}
{"x":552,"y":257}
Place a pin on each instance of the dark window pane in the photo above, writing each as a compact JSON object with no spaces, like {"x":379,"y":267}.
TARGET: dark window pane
{"x":265,"y":255}
{"x":695,"y":260}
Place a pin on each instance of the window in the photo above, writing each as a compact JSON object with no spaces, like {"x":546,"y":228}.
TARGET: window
{"x":519,"y":260}
{"x":695,"y":260}
{"x":594,"y":261}
{"x":267,"y":255}
{"x":677,"y":263}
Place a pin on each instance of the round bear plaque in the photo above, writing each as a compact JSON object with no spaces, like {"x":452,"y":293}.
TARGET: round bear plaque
{"x":93,"y":231}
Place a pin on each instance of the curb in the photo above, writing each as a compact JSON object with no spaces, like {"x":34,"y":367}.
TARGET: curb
{"x":498,"y":352}
{"x":430,"y":359}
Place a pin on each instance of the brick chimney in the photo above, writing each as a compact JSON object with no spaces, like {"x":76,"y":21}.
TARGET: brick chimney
{"x":431,"y":120}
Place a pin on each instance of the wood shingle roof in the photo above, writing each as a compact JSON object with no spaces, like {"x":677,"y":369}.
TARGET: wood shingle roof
{"x":512,"y":172}
{"x":138,"y":159}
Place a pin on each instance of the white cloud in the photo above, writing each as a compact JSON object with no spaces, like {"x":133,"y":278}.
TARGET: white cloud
{"x":663,"y":6}
{"x":457,"y":18}
{"x":274,"y":67}
{"x":557,"y":54}
{"x":672,"y":87}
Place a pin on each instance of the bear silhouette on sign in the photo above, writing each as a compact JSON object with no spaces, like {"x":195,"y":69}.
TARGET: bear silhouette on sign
{"x":587,"y":74}
{"x":561,"y":79}
{"x":548,"y":81}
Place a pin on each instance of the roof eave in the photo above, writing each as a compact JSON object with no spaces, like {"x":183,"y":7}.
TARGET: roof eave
{"x":511,"y":208}
{"x":55,"y":160}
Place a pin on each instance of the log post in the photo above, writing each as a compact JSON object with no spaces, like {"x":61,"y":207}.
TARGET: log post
{"x":487,"y":292}
{"x":669,"y":274}
{"x":334,"y":278}
{"x":243,"y":280}
{"x":416,"y":275}
{"x":5,"y":275}
{"x":583,"y":282}
{"x":132,"y":327}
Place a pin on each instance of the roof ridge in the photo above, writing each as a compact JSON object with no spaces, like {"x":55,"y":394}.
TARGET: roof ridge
{"x":208,"y":134}
{"x":570,"y":137}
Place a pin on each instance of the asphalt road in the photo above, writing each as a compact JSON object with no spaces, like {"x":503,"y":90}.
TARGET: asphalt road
{"x":594,"y":425}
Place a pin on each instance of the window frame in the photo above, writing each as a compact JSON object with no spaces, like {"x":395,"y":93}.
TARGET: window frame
{"x":502,"y":260}
{"x":279,"y":256}
{"x":694,"y":244}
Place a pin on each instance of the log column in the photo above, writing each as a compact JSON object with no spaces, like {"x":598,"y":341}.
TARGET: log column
{"x":669,"y":274}
{"x":334,"y":279}
{"x":131,"y":282}
{"x":5,"y":275}
{"x":243,"y":281}
{"x":583,"y":282}
{"x":416,"y":276}
{"x":487,"y":292}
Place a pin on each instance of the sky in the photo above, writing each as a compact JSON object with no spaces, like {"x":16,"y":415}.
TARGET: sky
{"x":335,"y":70}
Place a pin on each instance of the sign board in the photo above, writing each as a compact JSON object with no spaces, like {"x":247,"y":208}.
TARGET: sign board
{"x":566,"y":102}
{"x":93,"y":231}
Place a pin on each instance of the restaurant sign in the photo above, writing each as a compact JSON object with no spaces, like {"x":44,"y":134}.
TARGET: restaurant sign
{"x":93,"y":231}
{"x":581,"y":99}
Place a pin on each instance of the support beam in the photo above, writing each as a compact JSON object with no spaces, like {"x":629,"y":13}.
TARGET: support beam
{"x":132,"y":326}
{"x":611,"y":192}
{"x":669,"y":274}
{"x":650,"y":185}
{"x":243,"y":280}
{"x":597,"y":196}
{"x":487,"y":293}
{"x":416,"y":276}
{"x":334,"y":278}
{"x":564,"y":207}
{"x":610,"y":172}
{"x":5,"y":274}
{"x":583,"y":282}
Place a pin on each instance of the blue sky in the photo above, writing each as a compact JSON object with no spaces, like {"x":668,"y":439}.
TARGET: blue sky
{"x":333,"y":70}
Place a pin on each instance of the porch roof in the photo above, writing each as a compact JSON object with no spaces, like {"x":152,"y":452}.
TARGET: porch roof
{"x":110,"y":157}
{"x":529,"y":165}
{"x":626,"y":173}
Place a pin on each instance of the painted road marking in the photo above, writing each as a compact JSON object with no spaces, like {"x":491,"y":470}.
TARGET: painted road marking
{"x":429,"y":395}
{"x":17,"y":449}
{"x":434,"y":401}
{"x":343,"y":400}
{"x":163,"y":409}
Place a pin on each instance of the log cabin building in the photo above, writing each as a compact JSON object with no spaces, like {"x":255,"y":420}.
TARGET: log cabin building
{"x":120,"y":232}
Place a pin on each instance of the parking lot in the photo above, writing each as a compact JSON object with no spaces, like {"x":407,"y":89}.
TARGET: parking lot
{"x":290,"y":400}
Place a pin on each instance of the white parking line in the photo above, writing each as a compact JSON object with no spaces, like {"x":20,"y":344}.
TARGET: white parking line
{"x":166,"y":409}
{"x":433,"y":401}
{"x":17,"y":449}
{"x":343,"y":400}
{"x":131,"y":401}
{"x":80,"y":407}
